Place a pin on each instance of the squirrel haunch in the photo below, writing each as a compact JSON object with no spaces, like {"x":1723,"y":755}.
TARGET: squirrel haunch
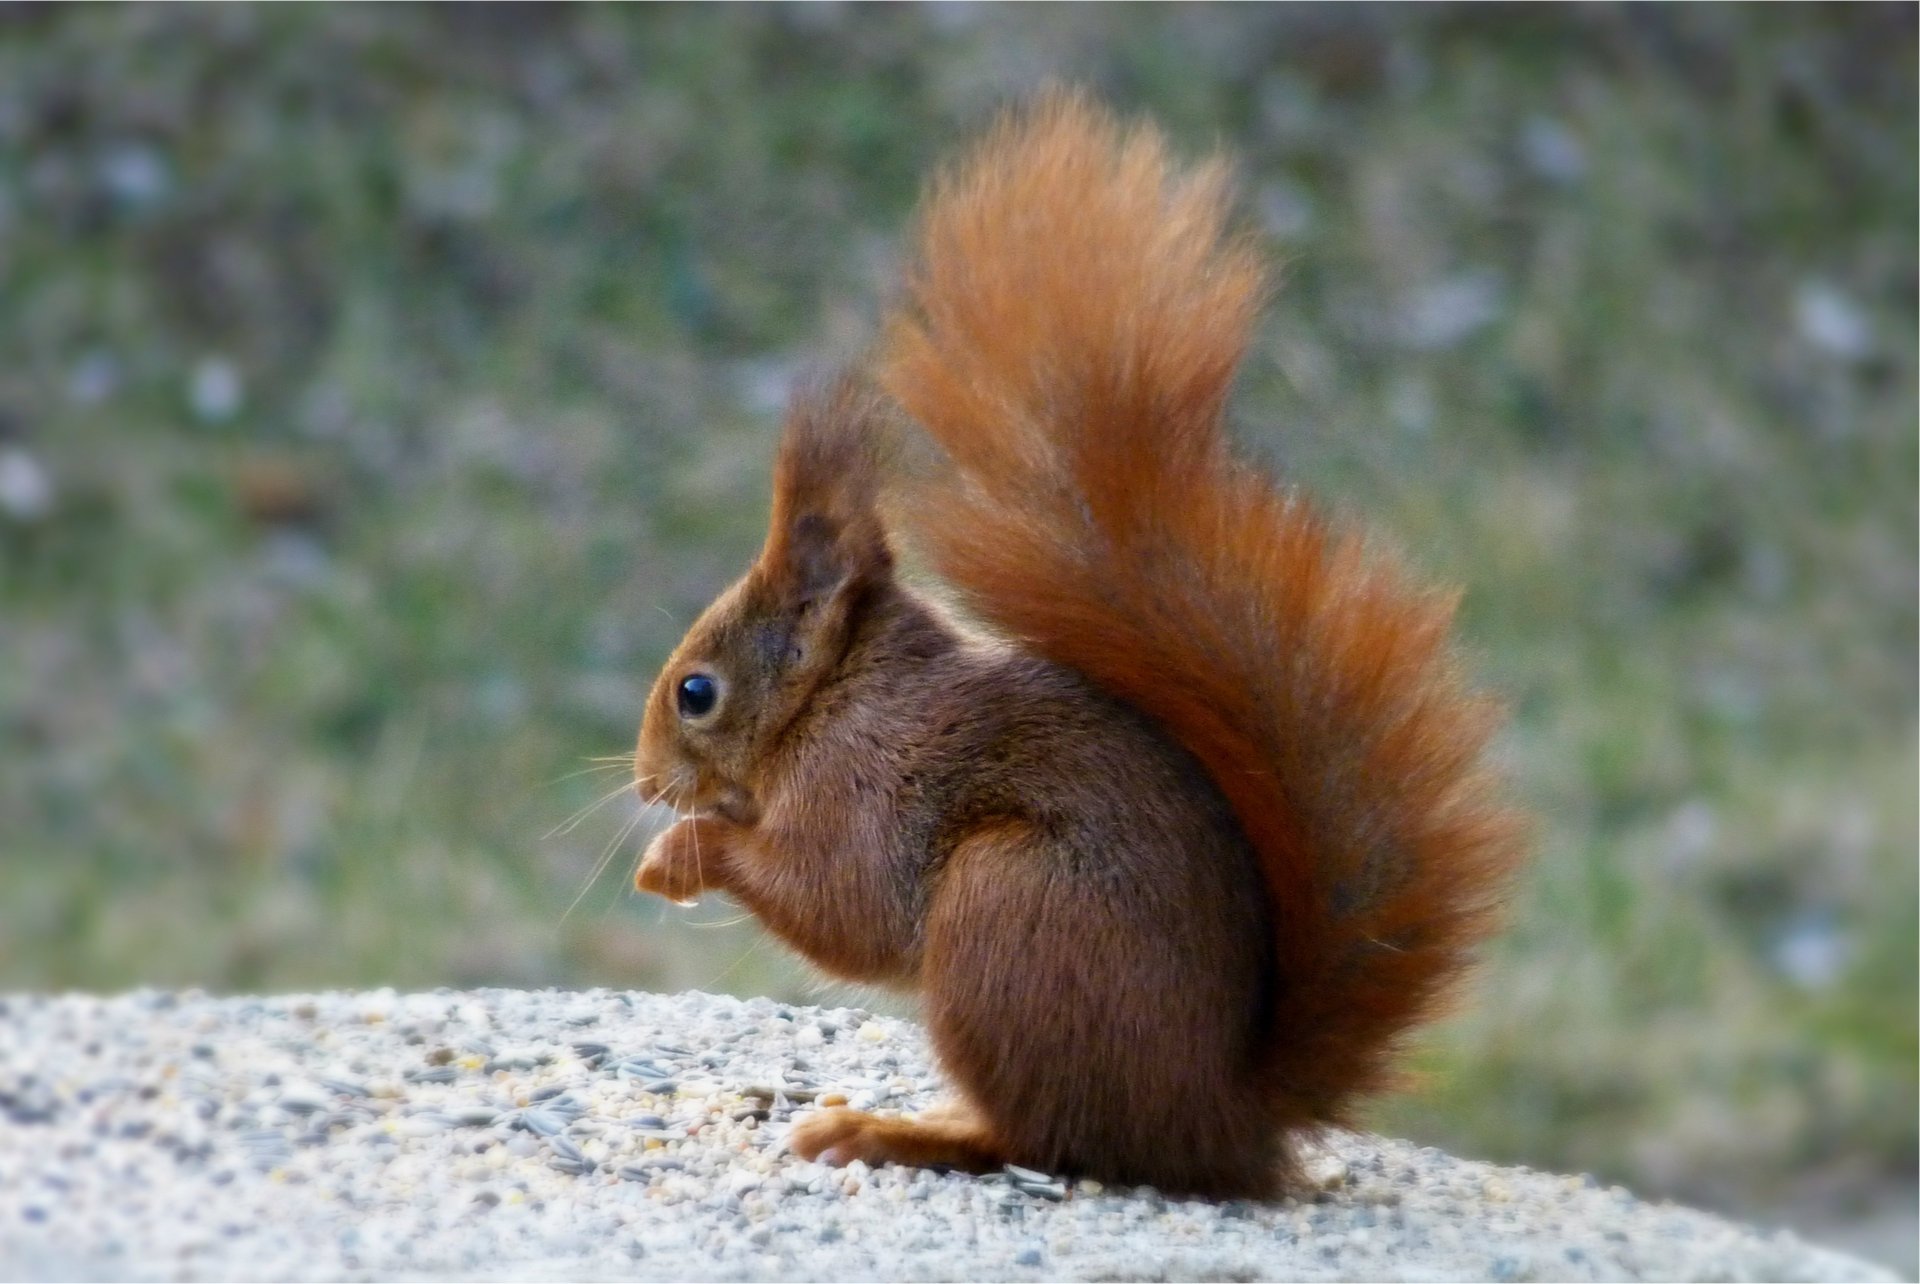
{"x":1178,"y":860}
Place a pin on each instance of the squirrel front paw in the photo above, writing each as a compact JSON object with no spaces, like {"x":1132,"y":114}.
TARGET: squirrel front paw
{"x":680,"y":863}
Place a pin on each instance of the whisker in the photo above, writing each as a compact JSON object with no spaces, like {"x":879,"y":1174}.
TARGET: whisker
{"x":572,"y":822}
{"x":640,"y":855}
{"x":606,"y":858}
{"x":668,"y":793}
{"x":646,"y":808}
{"x":588,"y":771}
{"x":656,"y":801}
{"x":609,"y":765}
{"x":735,"y":921}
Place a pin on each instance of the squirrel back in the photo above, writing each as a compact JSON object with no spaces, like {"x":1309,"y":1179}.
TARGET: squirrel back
{"x":1074,"y":318}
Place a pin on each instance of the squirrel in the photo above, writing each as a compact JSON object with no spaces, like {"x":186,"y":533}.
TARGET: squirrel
{"x":1173,"y":809}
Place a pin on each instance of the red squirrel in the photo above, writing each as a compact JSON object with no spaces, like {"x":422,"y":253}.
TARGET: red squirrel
{"x":1187,"y":824}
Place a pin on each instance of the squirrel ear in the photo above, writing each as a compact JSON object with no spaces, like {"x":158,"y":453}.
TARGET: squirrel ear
{"x":826,"y":532}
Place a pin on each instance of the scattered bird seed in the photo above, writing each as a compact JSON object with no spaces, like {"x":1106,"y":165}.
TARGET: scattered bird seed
{"x":543,"y":1122}
{"x":562,"y":1159}
{"x":566,"y":1149}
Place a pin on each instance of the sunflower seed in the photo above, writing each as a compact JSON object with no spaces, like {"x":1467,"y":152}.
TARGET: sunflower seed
{"x":567,"y":1156}
{"x":542,"y":1122}
{"x":423,"y":1125}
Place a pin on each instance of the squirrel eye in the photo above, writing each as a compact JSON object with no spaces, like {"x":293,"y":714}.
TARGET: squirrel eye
{"x":696,"y":695}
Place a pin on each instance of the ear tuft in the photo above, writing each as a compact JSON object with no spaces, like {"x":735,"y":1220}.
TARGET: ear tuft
{"x":826,"y":532}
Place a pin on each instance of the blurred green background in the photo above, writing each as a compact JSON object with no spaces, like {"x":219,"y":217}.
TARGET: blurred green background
{"x":382,"y":389}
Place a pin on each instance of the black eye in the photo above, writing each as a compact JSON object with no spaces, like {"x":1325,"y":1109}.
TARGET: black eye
{"x":697,"y":694}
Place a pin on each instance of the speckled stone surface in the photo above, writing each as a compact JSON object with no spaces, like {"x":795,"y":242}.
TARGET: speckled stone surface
{"x":597,"y":1134}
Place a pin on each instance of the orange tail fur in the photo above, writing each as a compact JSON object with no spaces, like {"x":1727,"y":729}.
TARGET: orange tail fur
{"x":1074,"y":319}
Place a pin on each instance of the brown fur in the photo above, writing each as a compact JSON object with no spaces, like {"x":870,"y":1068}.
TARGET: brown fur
{"x":1175,"y":871}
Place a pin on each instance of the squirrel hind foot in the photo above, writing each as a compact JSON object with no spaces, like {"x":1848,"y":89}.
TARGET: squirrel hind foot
{"x":938,"y":1139}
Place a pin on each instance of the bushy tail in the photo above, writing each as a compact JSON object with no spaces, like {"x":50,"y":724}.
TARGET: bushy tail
{"x":1073,"y":321}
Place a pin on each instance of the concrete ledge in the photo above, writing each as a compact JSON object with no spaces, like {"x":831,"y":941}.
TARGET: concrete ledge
{"x":514,"y":1134}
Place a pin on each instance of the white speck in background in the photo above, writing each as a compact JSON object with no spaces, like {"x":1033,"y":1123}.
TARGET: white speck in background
{"x":26,"y":492}
{"x":1553,"y":151}
{"x":1410,"y":403}
{"x":1450,"y":311}
{"x":1812,"y":951}
{"x":1832,"y":322}
{"x":1286,"y":210}
{"x":215,"y":390}
{"x":93,"y":379}
{"x":136,"y":175}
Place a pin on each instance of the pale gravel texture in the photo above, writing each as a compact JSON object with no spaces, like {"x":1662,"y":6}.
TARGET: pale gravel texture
{"x":611,"y":1135}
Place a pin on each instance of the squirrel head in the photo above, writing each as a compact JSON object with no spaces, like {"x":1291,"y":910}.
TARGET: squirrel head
{"x":755,"y":657}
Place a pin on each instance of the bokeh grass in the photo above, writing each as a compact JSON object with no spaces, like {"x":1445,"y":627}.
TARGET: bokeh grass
{"x":381,"y":390}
